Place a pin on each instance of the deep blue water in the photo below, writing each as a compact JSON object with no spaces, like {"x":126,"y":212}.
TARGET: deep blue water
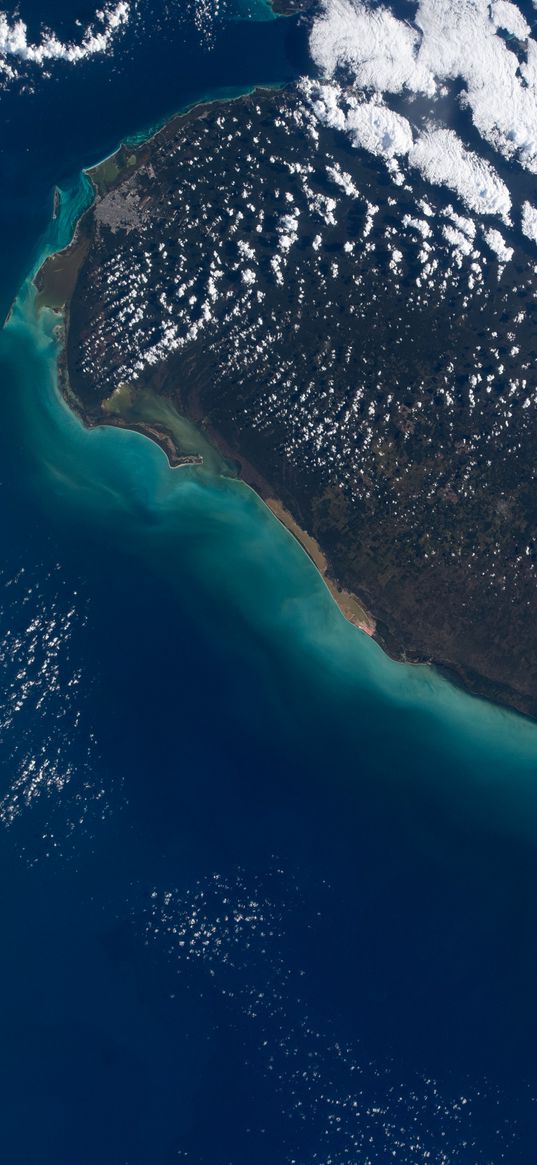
{"x":266,"y":896}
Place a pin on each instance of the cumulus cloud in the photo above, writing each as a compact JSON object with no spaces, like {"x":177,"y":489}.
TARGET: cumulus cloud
{"x":498,"y":244}
{"x":529,"y":220}
{"x":442,"y":159}
{"x":449,"y":40}
{"x":507,"y":16}
{"x":370,"y":58}
{"x":438,"y":154}
{"x":371,"y":125}
{"x":381,"y":52}
{"x":16,"y":48}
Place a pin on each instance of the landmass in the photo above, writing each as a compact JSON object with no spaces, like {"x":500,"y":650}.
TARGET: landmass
{"x":248,"y":271}
{"x":291,"y":7}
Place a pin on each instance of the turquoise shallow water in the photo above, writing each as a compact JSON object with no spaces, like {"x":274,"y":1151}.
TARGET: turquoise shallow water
{"x":268,"y":895}
{"x":235,"y":724}
{"x":189,"y":521}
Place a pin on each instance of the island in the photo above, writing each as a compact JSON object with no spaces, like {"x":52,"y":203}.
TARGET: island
{"x":247,"y":276}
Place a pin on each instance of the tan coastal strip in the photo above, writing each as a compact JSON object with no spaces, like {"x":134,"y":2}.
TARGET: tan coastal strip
{"x":346,"y":601}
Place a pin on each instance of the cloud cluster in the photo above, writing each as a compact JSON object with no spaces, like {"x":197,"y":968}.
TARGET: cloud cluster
{"x":449,"y":40}
{"x":443,"y":160}
{"x":460,"y":41}
{"x":371,"y":125}
{"x":381,"y":52}
{"x":16,"y":48}
{"x":437,"y":153}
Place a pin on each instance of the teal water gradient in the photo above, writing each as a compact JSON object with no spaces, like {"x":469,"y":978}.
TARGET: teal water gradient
{"x":195,"y":745}
{"x":187,"y":714}
{"x":229,"y":559}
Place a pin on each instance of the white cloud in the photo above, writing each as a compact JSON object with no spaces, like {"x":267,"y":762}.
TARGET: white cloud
{"x":375,"y":127}
{"x":460,"y":242}
{"x":371,"y":125}
{"x":507,"y":16}
{"x":466,"y":225}
{"x":449,"y":40}
{"x":529,"y":220}
{"x":498,"y":244}
{"x":438,"y":154}
{"x":16,"y":48}
{"x":382,"y":52}
{"x":442,"y":159}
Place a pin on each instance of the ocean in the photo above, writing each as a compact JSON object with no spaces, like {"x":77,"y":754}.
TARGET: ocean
{"x":267,"y":895}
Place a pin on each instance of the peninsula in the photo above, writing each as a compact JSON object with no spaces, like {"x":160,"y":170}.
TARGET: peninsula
{"x":249,"y":273}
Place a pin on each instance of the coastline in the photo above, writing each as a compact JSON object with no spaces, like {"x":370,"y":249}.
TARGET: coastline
{"x":349,"y":604}
{"x":73,"y":254}
{"x":381,"y":628}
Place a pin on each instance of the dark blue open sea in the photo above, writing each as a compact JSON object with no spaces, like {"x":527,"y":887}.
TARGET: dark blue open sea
{"x":267,"y":897}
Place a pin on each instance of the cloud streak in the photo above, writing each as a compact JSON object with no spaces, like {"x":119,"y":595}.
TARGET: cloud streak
{"x":17,"y":49}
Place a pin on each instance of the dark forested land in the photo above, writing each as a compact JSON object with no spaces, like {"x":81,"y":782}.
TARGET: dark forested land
{"x":326,"y":328}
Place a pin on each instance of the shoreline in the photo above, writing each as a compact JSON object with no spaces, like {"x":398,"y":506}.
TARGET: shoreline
{"x":144,"y":139}
{"x":350,"y":605}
